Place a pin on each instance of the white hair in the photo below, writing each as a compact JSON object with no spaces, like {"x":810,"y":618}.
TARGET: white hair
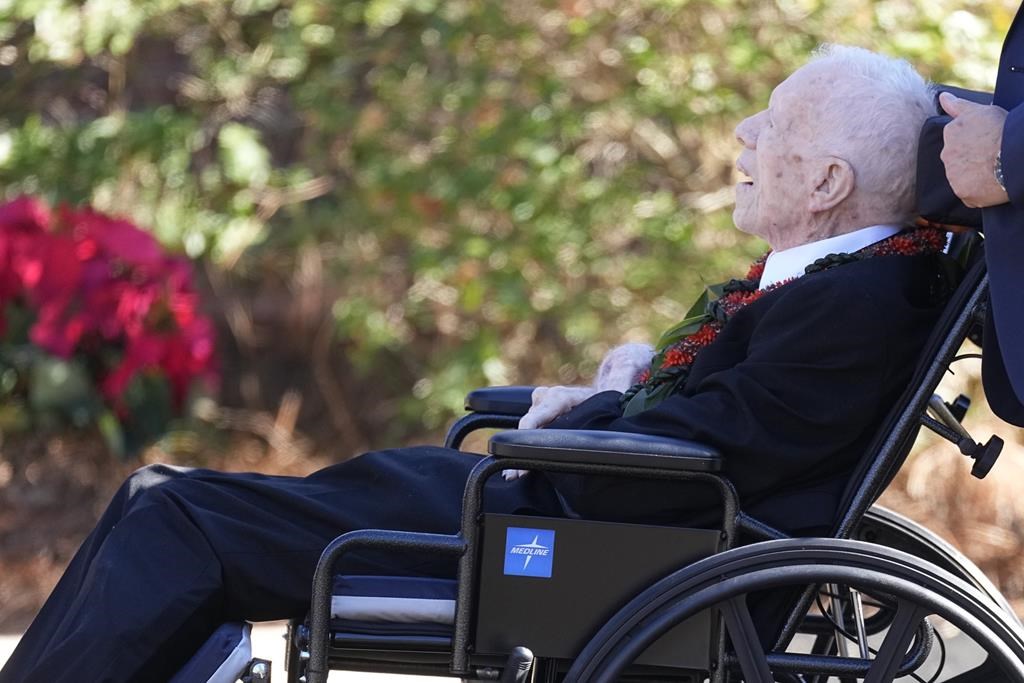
{"x":877,"y":120}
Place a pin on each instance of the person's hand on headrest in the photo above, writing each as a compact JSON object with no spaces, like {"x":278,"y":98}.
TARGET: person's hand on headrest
{"x":971,"y":143}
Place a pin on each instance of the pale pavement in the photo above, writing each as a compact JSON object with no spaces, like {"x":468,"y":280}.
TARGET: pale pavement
{"x":268,"y":643}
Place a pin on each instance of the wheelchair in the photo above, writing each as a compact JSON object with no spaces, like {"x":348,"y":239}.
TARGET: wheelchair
{"x":544,"y":600}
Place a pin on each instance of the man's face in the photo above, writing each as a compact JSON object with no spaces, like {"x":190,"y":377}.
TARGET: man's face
{"x":780,"y":158}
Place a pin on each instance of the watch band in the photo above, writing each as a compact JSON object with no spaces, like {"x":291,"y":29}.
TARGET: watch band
{"x":998,"y":170}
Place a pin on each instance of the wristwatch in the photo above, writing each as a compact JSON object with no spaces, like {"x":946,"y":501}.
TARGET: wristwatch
{"x":999,"y":170}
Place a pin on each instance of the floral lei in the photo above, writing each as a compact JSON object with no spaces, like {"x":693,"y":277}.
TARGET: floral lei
{"x":678,"y":347}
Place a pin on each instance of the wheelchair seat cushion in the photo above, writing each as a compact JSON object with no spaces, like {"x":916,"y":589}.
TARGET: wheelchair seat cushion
{"x":221,"y":659}
{"x":393,"y":600}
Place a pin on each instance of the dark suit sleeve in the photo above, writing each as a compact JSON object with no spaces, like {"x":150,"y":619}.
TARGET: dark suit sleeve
{"x":1001,"y":368}
{"x":812,"y":380}
{"x":1013,"y":155}
{"x":1000,"y":394}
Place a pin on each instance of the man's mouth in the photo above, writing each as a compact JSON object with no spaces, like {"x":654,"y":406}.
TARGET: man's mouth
{"x":743,"y":171}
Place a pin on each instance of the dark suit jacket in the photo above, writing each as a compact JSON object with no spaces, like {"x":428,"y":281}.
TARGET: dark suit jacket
{"x":1003,"y":367}
{"x":791,"y":393}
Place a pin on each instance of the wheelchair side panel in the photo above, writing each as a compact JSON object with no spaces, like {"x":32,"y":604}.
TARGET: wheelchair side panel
{"x":549,"y":584}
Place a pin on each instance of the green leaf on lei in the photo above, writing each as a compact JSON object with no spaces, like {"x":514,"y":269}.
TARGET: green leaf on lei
{"x":695,"y":317}
{"x":649,"y":397}
{"x":637,"y":404}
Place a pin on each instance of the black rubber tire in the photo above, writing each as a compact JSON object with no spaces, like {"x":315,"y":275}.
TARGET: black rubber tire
{"x":725,"y":579}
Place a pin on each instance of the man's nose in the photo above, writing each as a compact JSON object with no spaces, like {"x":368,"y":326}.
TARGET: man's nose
{"x":747,"y":130}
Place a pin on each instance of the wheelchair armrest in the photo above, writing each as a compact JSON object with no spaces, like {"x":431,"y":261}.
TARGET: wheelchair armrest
{"x":606,"y":448}
{"x":509,"y":400}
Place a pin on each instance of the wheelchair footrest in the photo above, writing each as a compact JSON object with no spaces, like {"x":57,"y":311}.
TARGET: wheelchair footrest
{"x":222,"y":659}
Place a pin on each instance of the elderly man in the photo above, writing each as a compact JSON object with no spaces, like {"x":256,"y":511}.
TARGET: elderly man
{"x":788,"y":373}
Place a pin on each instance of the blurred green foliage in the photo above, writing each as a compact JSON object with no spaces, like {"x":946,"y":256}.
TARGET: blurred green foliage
{"x":442,"y":193}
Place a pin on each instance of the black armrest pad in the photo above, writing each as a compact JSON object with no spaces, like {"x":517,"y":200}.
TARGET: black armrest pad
{"x":511,"y":400}
{"x":606,"y":448}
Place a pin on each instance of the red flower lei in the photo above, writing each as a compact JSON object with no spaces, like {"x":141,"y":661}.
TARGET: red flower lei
{"x":678,"y":348}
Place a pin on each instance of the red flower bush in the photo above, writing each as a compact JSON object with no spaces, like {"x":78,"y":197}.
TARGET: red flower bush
{"x":100,"y":289}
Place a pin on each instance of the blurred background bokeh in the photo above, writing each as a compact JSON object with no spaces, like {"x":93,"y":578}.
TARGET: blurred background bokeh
{"x":390,"y":202}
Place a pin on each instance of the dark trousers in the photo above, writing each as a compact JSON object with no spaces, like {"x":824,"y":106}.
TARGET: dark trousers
{"x":180,"y":551}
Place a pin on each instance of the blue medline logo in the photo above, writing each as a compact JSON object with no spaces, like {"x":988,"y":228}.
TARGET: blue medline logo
{"x":529,"y":552}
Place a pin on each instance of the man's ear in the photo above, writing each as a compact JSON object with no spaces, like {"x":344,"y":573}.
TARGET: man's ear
{"x":834,"y":183}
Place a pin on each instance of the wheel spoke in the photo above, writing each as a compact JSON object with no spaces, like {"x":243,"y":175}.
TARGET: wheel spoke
{"x":897,"y":642}
{"x":745,"y":641}
{"x":913,"y":591}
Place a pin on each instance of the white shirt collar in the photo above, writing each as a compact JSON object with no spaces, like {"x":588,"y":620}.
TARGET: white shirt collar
{"x":790,"y":263}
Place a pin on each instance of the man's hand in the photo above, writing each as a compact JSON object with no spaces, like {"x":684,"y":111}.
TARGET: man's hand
{"x":547,"y":403}
{"x":622,"y":366}
{"x":971,"y":141}
{"x":550,"y":402}
{"x":618,"y":371}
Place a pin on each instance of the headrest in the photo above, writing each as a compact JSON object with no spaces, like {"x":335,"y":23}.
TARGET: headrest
{"x":936,"y":202}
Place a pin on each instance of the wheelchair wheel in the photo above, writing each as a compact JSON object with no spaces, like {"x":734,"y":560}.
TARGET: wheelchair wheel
{"x":905,"y":606}
{"x":891,"y":529}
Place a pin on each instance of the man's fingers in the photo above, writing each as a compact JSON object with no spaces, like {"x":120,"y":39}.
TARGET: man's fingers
{"x":528,"y":421}
{"x":549,"y":403}
{"x":546,"y":413}
{"x":538,"y":416}
{"x":952,"y":105}
{"x":955,"y":106}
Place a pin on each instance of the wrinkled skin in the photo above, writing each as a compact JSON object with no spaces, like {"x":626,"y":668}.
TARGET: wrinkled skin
{"x":797,"y":185}
{"x":618,"y":371}
{"x":970,"y":144}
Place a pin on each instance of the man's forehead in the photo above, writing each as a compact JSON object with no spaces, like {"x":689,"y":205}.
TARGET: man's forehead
{"x":814,"y":82}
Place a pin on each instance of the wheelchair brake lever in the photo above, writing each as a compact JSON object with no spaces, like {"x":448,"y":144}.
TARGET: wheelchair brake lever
{"x":941,"y":410}
{"x":949,"y":427}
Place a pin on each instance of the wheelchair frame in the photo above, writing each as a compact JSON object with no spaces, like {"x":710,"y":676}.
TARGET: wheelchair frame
{"x":903,"y":559}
